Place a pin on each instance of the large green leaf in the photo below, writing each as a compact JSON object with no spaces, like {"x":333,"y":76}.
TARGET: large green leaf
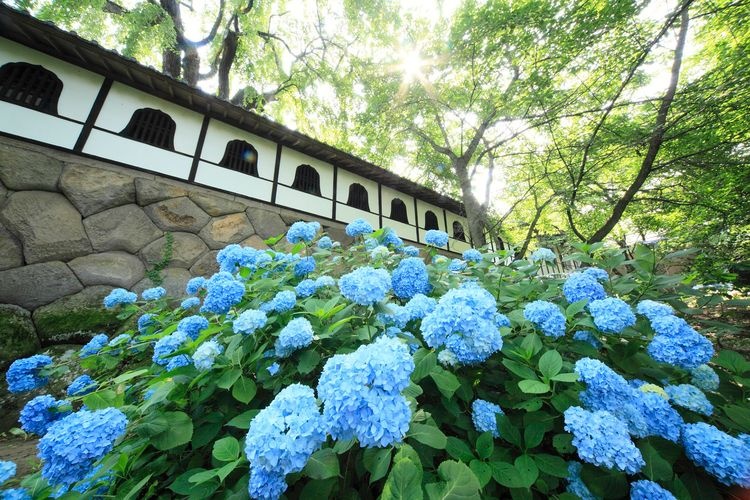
{"x":656,"y":468}
{"x":533,"y":387}
{"x":424,"y":362}
{"x":460,"y":483}
{"x":244,"y":389}
{"x":605,"y":483}
{"x":519,"y":369}
{"x":458,"y":449}
{"x":429,"y":435}
{"x":226,"y":449}
{"x":550,"y":363}
{"x":322,"y":464}
{"x":527,"y":470}
{"x":552,"y":465}
{"x":533,"y":434}
{"x":179,"y":431}
{"x":506,"y":474}
{"x":485,"y":445}
{"x":482,"y":470}
{"x":446,"y":382}
{"x":508,"y":431}
{"x":308,"y":360}
{"x":404,"y":482}
{"x":376,"y":462}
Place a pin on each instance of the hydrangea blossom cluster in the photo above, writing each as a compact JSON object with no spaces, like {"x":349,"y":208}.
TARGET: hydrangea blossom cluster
{"x":145,"y":321}
{"x":611,"y":315}
{"x":725,"y":457}
{"x":204,"y":356}
{"x":195,"y":284}
{"x":588,"y":337}
{"x":361,"y":393}
{"x":305,"y":266}
{"x":436,"y":238}
{"x":223,"y":291}
{"x":82,"y":385}
{"x":72,"y":445}
{"x":305,"y":288}
{"x":94,"y":345}
{"x":543,"y":254}
{"x":190,"y":303}
{"x":410,"y":251}
{"x":484,"y":416}
{"x":41,"y":412}
{"x":676,"y":343}
{"x":366,"y":285}
{"x":7,"y":470}
{"x":325,"y":243}
{"x":165,"y":346}
{"x":302,"y":231}
{"x":249,"y":321}
{"x":705,"y":378}
{"x":23,"y":374}
{"x":379,"y":252}
{"x":652,"y":309}
{"x":281,"y":302}
{"x":358,"y":227}
{"x":281,"y":439}
{"x":690,"y":397}
{"x":192,"y":325}
{"x":547,"y":316}
{"x":119,"y":296}
{"x":649,"y":490}
{"x":153,"y":293}
{"x":464,"y":322}
{"x":391,"y":239}
{"x":601,"y":439}
{"x":582,"y":286}
{"x":273,"y":369}
{"x":472,"y":255}
{"x":457,"y":265}
{"x":233,"y":257}
{"x":410,"y":278}
{"x":596,"y":273}
{"x":420,"y":306}
{"x":298,"y":333}
{"x":576,"y":485}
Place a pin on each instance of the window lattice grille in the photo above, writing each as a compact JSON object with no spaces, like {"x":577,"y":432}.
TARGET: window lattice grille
{"x":31,"y":86}
{"x":153,"y":127}
{"x":398,"y":211}
{"x":307,"y":179}
{"x":241,"y":156}
{"x":358,"y":197}
{"x":430,"y":220}
{"x":458,"y":231}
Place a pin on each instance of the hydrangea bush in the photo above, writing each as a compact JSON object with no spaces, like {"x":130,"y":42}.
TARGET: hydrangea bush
{"x":385,"y":370}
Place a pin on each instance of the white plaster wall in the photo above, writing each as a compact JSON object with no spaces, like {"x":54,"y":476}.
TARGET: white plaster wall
{"x":458,"y":246}
{"x":232,"y":181}
{"x":404,"y":231}
{"x":456,"y":218}
{"x":424,"y":207}
{"x":122,"y":101}
{"x":345,"y":213}
{"x":346,"y":179}
{"x":304,"y":202}
{"x":388,"y":196}
{"x":291,"y":159}
{"x":117,"y":148}
{"x":219,"y":134}
{"x":80,"y":87}
{"x":25,"y":122}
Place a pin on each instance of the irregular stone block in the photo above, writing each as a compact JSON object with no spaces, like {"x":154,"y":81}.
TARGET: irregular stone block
{"x":48,"y":226}
{"x":18,"y":337}
{"x":11,"y":253}
{"x":177,"y":214}
{"x":266,"y":223}
{"x":206,"y":265}
{"x":24,"y":170}
{"x":186,"y":248}
{"x":38,"y":284}
{"x":173,"y":280}
{"x":92,"y":189}
{"x":255,"y":241}
{"x":149,"y":191}
{"x":75,"y":317}
{"x":216,"y":206}
{"x":122,"y":228}
{"x":221,"y":231}
{"x":117,"y":269}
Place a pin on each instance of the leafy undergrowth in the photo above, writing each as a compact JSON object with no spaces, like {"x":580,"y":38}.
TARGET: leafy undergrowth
{"x":374,"y":371}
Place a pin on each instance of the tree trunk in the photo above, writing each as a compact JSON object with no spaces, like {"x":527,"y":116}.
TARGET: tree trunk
{"x":532,"y":226}
{"x":476,"y":214}
{"x":171,"y":63}
{"x":191,"y":64}
{"x":228,"y":53}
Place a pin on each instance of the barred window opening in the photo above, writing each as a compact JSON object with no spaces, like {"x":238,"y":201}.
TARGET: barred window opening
{"x":358,"y":197}
{"x":31,"y":86}
{"x":430,"y":220}
{"x":398,"y":211}
{"x":241,"y":156}
{"x":151,"y":126}
{"x":307,"y":179}
{"x":458,"y":231}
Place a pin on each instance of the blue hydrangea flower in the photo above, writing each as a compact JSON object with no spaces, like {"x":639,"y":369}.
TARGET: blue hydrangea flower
{"x":410,"y":278}
{"x":145,"y":321}
{"x":153,"y":293}
{"x":223,"y":291}
{"x":652,"y":309}
{"x":690,"y":397}
{"x":15,"y":494}
{"x":547,"y":316}
{"x":204,"y":356}
{"x":324,"y":281}
{"x":165,"y":346}
{"x":447,"y":358}
{"x":284,"y":301}
{"x":298,"y":333}
{"x":371,"y":243}
{"x":436,"y":238}
{"x":379,"y":252}
{"x":457,"y":265}
{"x":464,"y":322}
{"x":358,"y":227}
{"x":365,"y":286}
{"x":234,"y":257}
{"x":649,"y":490}
{"x":325,"y":243}
{"x":23,"y":374}
{"x":82,"y":385}
{"x":596,"y":273}
{"x":195,"y":284}
{"x":41,"y":412}
{"x":391,"y":239}
{"x":281,"y":439}
{"x":611,"y":315}
{"x":679,"y":345}
{"x":119,"y":296}
{"x":118,"y":341}
{"x":7,"y":470}
{"x":705,"y":378}
{"x":190,"y":303}
{"x":305,"y":266}
{"x":361,"y":393}
{"x":576,"y":486}
{"x":249,"y":321}
{"x":94,"y":345}
{"x":543,"y":254}
{"x":588,"y":337}
{"x":502,"y":321}
{"x":73,"y":444}
{"x":302,"y":231}
{"x":305,"y":288}
{"x":410,"y":251}
{"x":419,"y":306}
{"x":192,"y":325}
{"x":484,"y":415}
{"x":582,"y":286}
{"x":601,"y":439}
{"x":472,"y":255}
{"x":274,"y":369}
{"x":725,"y":457}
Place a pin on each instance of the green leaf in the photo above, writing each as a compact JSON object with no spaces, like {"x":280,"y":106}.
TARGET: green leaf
{"x":424,"y":362}
{"x":563,"y":443}
{"x":460,"y":483}
{"x":179,"y":431}
{"x":508,"y":431}
{"x":482,"y":471}
{"x":244,"y":389}
{"x":604,"y":482}
{"x":527,"y":470}
{"x":506,"y":474}
{"x":183,"y":486}
{"x":575,"y":308}
{"x":322,"y":464}
{"x":565,"y":377}
{"x":485,"y":445}
{"x":404,"y":482}
{"x":429,"y":435}
{"x":458,"y":449}
{"x":316,"y":490}
{"x":376,"y":462}
{"x":308,"y":360}
{"x":227,"y":469}
{"x":137,"y":488}
{"x":550,"y":363}
{"x":242,"y":421}
{"x":446,"y":382}
{"x":531,"y":345}
{"x":129,"y":376}
{"x":739,"y":415}
{"x":203,"y":476}
{"x":519,"y":369}
{"x":529,"y":405}
{"x":102,"y":399}
{"x":656,"y":468}
{"x":552,"y":465}
{"x":226,"y":449}
{"x":533,"y":434}
{"x":533,"y":387}
{"x":228,"y":378}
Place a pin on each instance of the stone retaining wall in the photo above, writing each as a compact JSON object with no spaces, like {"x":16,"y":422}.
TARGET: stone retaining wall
{"x":72,"y":229}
